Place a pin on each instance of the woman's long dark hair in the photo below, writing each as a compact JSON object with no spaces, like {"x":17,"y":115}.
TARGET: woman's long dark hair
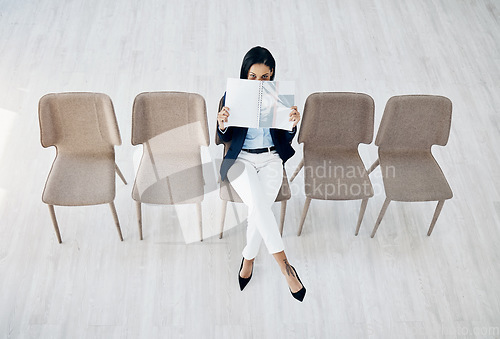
{"x":257,"y":55}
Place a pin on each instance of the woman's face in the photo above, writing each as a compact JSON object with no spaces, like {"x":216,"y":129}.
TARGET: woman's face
{"x":260,"y":72}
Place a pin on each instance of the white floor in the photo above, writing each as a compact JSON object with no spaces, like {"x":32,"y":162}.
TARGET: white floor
{"x":401,"y":284}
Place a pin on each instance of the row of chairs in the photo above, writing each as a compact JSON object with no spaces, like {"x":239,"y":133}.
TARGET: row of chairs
{"x":172,"y":126}
{"x":334,"y":125}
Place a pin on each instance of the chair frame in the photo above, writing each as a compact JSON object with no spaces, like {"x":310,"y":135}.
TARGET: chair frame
{"x":230,"y":189}
{"x":387,"y":201}
{"x":364,"y":201}
{"x":148,"y":147}
{"x":117,"y":170}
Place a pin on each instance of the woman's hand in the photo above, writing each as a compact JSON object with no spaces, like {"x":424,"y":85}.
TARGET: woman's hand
{"x":222,"y":116}
{"x":294,"y":116}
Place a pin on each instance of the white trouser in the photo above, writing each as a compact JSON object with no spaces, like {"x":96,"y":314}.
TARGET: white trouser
{"x":257,"y":179}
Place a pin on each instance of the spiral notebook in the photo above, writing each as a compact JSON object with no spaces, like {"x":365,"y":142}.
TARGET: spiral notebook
{"x":259,"y":104}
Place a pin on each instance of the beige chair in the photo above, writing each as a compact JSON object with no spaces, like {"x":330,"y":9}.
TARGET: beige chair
{"x":410,"y":126}
{"x":83,"y":128}
{"x":333,"y":126}
{"x":171,"y":126}
{"x":227,"y":192}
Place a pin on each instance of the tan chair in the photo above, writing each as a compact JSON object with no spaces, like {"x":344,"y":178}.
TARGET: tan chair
{"x":333,"y":126}
{"x":410,"y":126}
{"x":83,"y":128}
{"x":227,"y":192}
{"x":171,"y":126}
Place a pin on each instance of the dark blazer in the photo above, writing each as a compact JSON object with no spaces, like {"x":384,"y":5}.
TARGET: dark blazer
{"x":234,"y":137}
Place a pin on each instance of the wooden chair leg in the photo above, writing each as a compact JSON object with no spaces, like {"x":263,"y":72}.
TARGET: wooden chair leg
{"x":117,"y":170}
{"x":282,"y":216}
{"x":380,"y":216}
{"x":304,"y":213}
{"x":139,"y":217}
{"x":373,"y":166}
{"x":54,"y":221}
{"x":223,"y":217}
{"x":200,"y":218}
{"x":297,"y":170}
{"x":364,"y":202}
{"x":115,"y":216}
{"x":436,"y":215}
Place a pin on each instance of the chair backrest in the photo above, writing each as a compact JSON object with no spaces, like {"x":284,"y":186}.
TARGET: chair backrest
{"x":342,"y":120}
{"x":414,"y":122}
{"x":78,"y":122}
{"x":181,"y":116}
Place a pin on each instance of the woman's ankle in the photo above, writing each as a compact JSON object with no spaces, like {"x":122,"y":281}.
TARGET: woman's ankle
{"x":287,"y":269}
{"x":248,"y":260}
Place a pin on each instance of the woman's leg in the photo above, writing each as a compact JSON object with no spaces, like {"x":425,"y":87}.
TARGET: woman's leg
{"x":257,"y":179}
{"x":287,"y":271}
{"x":270,"y":176}
{"x":271,"y":173}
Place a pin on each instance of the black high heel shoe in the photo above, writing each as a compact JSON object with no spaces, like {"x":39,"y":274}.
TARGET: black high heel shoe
{"x":243,"y":281}
{"x":300,"y":294}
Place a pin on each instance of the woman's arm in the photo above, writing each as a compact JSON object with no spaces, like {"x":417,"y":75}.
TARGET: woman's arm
{"x":291,"y":134}
{"x":295,"y":117}
{"x":225,"y":133}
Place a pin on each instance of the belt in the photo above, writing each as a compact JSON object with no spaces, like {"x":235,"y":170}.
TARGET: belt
{"x":259,"y":150}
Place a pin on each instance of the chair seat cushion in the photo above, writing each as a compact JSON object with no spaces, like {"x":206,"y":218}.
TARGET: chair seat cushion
{"x":335,"y":174}
{"x":78,"y":180}
{"x":169,"y":179}
{"x":413,"y":176}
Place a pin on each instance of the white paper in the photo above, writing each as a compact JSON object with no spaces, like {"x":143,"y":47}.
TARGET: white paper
{"x":259,"y":104}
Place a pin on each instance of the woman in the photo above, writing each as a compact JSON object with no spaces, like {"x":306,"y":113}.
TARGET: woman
{"x":254,"y":167}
